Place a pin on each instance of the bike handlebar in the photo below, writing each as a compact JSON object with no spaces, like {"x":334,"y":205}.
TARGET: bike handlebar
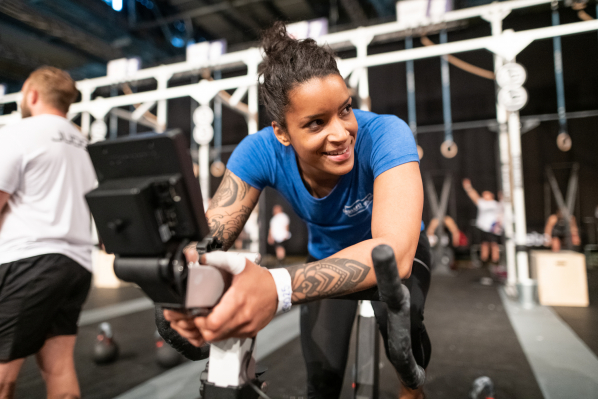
{"x":396,"y":296}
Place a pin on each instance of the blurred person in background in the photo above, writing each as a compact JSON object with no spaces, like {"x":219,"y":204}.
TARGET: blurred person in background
{"x":279,"y":232}
{"x":555,"y":231}
{"x":486,"y":222}
{"x":45,"y":235}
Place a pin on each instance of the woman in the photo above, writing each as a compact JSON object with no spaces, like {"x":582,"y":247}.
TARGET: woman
{"x":354,"y":178}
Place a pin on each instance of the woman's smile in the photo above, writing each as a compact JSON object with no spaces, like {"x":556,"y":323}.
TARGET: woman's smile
{"x":341,"y":154}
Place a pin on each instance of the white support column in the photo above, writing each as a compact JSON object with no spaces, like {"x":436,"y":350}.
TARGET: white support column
{"x":252,"y":98}
{"x":204,"y":172}
{"x":363,"y":91}
{"x":505,"y":165}
{"x":252,"y":224}
{"x":518,"y":197}
{"x":85,"y":116}
{"x":162,"y":109}
{"x":495,"y":19}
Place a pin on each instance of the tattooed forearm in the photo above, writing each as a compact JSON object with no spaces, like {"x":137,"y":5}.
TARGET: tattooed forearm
{"x":226,"y":227}
{"x":326,"y":278}
{"x":230,"y":190}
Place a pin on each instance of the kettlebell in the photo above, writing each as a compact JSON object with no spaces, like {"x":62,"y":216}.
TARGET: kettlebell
{"x":166,"y":356}
{"x":105,"y":350}
{"x":482,"y":387}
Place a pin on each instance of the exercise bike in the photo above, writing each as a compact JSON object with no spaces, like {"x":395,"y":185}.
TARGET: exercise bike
{"x":148,"y":208}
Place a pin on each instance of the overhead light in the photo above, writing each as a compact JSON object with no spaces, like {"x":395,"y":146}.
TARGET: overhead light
{"x":177,"y":42}
{"x":117,"y":5}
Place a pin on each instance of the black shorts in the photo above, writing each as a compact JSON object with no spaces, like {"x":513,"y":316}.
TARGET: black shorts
{"x":282,"y":244}
{"x":40,"y":298}
{"x":485,"y":236}
{"x":326,"y":329}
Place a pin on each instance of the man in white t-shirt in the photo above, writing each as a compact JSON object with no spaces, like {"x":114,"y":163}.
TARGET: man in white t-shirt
{"x":45,"y":235}
{"x":487,"y":221}
{"x":279,"y":231}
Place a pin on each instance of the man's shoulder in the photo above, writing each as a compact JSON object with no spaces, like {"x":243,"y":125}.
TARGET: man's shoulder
{"x":39,"y":123}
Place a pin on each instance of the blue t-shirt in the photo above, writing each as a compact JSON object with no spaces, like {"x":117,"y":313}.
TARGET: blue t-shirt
{"x":344,"y":217}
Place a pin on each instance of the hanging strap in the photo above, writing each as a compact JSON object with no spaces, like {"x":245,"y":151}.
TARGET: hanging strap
{"x":558,"y":72}
{"x":446,"y":93}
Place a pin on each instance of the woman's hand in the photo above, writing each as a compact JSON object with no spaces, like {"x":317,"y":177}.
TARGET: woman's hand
{"x":185,"y":326}
{"x":466,"y":184}
{"x":247,"y":306}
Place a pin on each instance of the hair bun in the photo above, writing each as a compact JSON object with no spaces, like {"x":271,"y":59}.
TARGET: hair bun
{"x":289,"y":62}
{"x":276,"y":38}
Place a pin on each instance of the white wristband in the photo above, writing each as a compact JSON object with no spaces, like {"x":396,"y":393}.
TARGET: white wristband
{"x":282,"y":279}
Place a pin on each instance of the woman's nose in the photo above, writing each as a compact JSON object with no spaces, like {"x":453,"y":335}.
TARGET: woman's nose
{"x":338,"y":132}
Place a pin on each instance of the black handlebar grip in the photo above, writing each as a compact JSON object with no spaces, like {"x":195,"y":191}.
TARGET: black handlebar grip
{"x":396,"y":297}
{"x":387,"y":276}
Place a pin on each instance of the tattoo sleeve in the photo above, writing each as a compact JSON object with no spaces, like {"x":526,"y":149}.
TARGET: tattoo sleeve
{"x":326,"y":278}
{"x":229,"y":191}
{"x":229,"y":210}
{"x":225,"y":227}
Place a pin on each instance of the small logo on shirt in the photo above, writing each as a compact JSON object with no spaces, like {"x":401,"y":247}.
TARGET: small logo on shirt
{"x":358,"y":206}
{"x":78,"y":142}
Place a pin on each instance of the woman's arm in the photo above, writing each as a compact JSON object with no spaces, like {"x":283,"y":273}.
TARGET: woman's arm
{"x":250,"y":303}
{"x":228,"y":212}
{"x":575,"y":240}
{"x":432,"y":225}
{"x":396,"y":221}
{"x":450,"y":224}
{"x":471,"y":192}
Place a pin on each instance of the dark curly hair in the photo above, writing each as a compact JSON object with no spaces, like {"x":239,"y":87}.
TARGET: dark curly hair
{"x":287,"y":64}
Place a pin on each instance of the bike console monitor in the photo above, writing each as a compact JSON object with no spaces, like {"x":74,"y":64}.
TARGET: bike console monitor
{"x":147,"y":207}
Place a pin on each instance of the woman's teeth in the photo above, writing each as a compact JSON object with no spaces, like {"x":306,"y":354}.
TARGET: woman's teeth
{"x":337,"y":152}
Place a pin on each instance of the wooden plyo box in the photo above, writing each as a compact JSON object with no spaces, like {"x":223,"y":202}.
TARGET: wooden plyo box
{"x":561,"y":276}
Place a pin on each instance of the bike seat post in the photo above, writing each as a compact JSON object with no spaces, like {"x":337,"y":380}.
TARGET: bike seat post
{"x":367,"y":354}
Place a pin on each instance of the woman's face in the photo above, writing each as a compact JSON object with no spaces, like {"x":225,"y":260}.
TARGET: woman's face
{"x":321,"y":127}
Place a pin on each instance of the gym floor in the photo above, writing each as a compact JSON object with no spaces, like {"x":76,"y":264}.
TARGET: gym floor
{"x":474,"y":332}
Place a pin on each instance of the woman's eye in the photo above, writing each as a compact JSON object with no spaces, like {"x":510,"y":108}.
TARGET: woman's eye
{"x":316,"y":124}
{"x":347,"y":109}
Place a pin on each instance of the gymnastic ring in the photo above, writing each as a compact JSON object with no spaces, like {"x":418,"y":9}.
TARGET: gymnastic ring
{"x":448,"y":149}
{"x":563,"y":141}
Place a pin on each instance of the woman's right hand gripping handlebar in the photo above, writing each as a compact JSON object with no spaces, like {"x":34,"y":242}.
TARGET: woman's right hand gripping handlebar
{"x":183,"y":323}
{"x":244,"y":309}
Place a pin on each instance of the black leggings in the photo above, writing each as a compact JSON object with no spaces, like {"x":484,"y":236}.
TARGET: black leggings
{"x":326,"y":330}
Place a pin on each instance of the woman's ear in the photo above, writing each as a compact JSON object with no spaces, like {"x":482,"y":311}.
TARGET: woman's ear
{"x":281,"y":135}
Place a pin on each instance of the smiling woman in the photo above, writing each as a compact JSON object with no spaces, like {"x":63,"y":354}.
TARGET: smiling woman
{"x":354,"y":178}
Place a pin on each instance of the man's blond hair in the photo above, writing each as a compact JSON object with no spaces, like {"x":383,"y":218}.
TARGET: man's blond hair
{"x":55,"y":86}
